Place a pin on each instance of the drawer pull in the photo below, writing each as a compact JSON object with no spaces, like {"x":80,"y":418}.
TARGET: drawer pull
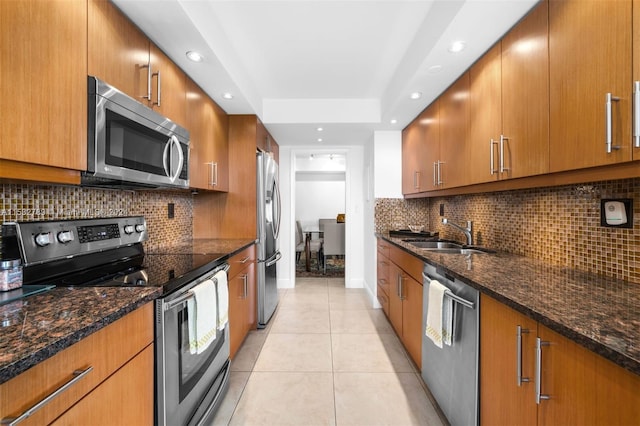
{"x":243,"y":261}
{"x":78,"y":374}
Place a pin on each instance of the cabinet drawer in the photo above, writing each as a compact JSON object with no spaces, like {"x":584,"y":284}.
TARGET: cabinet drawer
{"x":410,"y":264}
{"x":125,"y":398}
{"x":383,"y":247}
{"x":105,"y":351}
{"x":383,"y":298}
{"x":242,"y":260}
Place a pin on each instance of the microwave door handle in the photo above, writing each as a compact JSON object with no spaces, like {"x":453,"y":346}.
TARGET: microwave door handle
{"x":176,"y":142}
{"x":165,"y":157}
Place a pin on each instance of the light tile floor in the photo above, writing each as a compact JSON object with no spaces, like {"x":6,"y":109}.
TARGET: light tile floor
{"x":326,"y":358}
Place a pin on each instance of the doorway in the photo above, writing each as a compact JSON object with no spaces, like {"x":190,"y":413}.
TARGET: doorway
{"x":320,"y":202}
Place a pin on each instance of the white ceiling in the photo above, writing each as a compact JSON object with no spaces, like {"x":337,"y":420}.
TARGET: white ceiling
{"x":345,"y":65}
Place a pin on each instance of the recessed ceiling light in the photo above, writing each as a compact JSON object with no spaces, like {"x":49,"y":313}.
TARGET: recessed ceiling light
{"x":457,"y":46}
{"x":319,"y":139}
{"x":195,"y":56}
{"x":434,"y":69}
{"x":415,"y":95}
{"x":319,"y":129}
{"x":394,"y":121}
{"x":227,"y":95}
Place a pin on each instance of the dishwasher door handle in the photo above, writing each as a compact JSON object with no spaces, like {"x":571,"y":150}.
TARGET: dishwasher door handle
{"x":464,"y":302}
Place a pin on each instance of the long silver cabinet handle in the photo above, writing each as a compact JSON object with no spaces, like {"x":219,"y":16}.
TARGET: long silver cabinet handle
{"x":502,"y":167}
{"x":636,"y":113}
{"x":440,"y":181}
{"x":435,"y":173}
{"x":519,"y":332}
{"x":148,"y":67}
{"x":78,"y":375}
{"x":492,"y":169}
{"x":608,"y":122}
{"x":245,"y":282}
{"x":539,"y":395}
{"x":158,"y":86}
{"x":416,"y":180}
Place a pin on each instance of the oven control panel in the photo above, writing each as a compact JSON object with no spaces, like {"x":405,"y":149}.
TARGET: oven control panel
{"x":40,"y":242}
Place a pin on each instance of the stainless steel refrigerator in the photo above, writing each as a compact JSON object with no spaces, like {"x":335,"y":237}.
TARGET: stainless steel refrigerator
{"x":268,"y":230}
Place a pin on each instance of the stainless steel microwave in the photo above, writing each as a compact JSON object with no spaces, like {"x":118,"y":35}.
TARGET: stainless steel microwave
{"x":130,"y":145}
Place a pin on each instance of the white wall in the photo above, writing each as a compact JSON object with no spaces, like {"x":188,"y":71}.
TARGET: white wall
{"x":384,"y":159}
{"x":388,"y":164}
{"x":354,"y":209}
{"x":319,"y":196}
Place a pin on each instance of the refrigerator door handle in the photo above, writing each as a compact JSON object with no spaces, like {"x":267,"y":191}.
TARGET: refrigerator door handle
{"x":273,"y":259}
{"x":276,"y":206}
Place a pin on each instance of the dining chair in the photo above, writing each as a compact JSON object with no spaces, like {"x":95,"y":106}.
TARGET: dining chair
{"x":333,"y":241}
{"x":314,"y":245}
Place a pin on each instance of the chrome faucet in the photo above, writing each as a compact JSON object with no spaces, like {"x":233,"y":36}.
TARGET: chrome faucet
{"x":468,"y":231}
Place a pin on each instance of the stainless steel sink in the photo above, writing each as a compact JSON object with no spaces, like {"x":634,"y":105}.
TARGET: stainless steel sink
{"x":444,"y":247}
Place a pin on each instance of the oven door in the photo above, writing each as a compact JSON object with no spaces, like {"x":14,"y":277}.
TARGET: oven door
{"x":188,"y":386}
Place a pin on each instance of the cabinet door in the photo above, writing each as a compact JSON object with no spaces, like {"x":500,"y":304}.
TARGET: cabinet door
{"x":395,"y":302}
{"x":125,"y":398}
{"x":485,"y":108}
{"x":43,"y":82}
{"x":636,"y":72}
{"x":252,"y":299}
{"x":412,"y":318}
{"x":502,"y":400}
{"x":237,"y":310}
{"x":584,"y":388}
{"x":589,"y":56}
{"x":411,"y":141}
{"x":168,"y":87}
{"x":454,"y":133}
{"x":118,"y":50}
{"x":420,"y":150}
{"x":208,"y":155}
{"x":525,"y":96}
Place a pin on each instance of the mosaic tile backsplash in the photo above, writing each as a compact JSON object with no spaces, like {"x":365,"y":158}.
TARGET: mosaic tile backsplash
{"x":49,"y":202}
{"x":398,"y":213}
{"x":559,"y":225}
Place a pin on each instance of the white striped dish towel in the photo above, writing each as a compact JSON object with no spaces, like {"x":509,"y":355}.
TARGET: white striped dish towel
{"x":439,"y":322}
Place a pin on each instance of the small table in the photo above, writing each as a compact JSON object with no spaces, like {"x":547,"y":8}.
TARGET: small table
{"x":308,"y":232}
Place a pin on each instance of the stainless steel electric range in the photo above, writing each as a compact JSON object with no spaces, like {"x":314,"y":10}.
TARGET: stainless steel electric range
{"x":109,"y":252}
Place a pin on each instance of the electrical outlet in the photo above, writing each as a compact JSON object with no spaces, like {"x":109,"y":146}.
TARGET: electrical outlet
{"x":441,"y":209}
{"x":616,"y":212}
{"x":171,"y":211}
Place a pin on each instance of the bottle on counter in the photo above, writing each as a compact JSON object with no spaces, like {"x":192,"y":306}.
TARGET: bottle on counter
{"x":10,"y":274}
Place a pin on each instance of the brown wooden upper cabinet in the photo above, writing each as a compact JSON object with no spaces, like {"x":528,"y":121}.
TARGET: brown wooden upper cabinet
{"x":421,"y":152}
{"x":121,"y":55}
{"x":452,"y":167}
{"x":636,"y":79}
{"x":510,"y":104}
{"x":485,"y":107}
{"x":43,"y":83}
{"x":590,"y":83}
{"x":209,"y":153}
{"x":265,"y":142}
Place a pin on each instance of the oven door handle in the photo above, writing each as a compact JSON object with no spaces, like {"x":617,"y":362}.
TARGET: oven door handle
{"x":189,"y":294}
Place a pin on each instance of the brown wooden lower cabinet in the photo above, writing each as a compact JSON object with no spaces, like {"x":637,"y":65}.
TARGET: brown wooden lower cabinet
{"x":404,"y":299}
{"x":129,"y":392}
{"x":242,"y":297}
{"x":119,"y":384}
{"x":582,"y":387}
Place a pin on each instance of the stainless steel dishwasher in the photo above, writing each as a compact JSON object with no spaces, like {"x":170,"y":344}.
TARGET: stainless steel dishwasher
{"x":451,"y":372}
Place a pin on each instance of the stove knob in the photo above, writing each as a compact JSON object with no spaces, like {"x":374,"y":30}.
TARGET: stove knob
{"x":140,"y":228}
{"x":65,"y":236}
{"x":128,"y":229}
{"x":43,"y":239}
{"x":141,"y":282}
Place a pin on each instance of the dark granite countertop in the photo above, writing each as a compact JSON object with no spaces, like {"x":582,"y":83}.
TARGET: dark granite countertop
{"x":600,"y":313}
{"x":39,"y":326}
